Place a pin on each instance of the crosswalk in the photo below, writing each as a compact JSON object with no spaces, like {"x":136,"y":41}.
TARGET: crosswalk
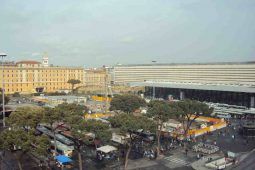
{"x":176,"y":162}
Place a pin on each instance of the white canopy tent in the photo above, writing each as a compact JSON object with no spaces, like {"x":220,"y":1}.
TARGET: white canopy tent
{"x":107,"y":149}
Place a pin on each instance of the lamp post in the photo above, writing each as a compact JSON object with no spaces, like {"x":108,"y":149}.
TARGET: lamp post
{"x":153,"y":88}
{"x":2,"y":55}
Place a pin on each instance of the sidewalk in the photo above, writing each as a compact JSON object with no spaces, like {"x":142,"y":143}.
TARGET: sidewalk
{"x":200,"y":164}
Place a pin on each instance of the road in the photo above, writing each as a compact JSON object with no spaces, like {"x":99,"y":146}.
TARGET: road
{"x":247,"y":164}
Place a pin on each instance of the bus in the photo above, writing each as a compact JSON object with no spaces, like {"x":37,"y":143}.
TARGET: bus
{"x":223,"y":115}
{"x":62,"y":148}
{"x":59,"y":137}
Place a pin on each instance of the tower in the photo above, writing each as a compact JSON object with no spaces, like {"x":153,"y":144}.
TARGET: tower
{"x":45,"y":61}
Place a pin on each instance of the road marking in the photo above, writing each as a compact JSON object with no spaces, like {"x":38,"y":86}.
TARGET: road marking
{"x":177,"y":160}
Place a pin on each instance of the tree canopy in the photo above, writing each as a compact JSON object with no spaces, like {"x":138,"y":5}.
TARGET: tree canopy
{"x":160,"y":111}
{"x":25,"y":117}
{"x":127,"y":103}
{"x":129,"y":124}
{"x":72,"y":116}
{"x":189,"y":110}
{"x":21,"y":133}
{"x":73,"y":82}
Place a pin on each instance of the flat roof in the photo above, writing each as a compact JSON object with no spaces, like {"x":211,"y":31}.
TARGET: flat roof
{"x":250,"y":111}
{"x":172,"y":64}
{"x":228,"y":88}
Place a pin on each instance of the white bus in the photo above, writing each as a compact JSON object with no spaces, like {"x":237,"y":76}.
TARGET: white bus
{"x":62,"y":148}
{"x":223,"y":115}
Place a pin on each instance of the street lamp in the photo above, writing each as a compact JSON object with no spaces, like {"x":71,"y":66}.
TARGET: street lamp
{"x":153,"y":87}
{"x":2,"y":55}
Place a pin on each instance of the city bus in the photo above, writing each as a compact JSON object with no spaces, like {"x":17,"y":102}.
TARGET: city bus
{"x":223,"y":115}
{"x":62,"y":148}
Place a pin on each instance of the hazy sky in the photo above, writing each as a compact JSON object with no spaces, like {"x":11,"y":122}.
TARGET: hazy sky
{"x":97,"y":32}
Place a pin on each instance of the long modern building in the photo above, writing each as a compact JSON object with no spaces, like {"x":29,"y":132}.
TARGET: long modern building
{"x":231,"y":83}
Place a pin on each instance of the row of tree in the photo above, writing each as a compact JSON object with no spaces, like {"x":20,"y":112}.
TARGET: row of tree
{"x":21,"y":132}
{"x":186,"y":111}
{"x":23,"y":122}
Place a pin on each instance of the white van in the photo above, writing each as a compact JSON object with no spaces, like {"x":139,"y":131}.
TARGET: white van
{"x":224,"y":115}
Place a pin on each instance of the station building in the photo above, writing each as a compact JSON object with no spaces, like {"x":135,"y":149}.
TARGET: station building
{"x":230,"y":83}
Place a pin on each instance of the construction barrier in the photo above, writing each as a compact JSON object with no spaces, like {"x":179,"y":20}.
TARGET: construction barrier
{"x":101,"y":99}
{"x":217,"y":124}
{"x":98,"y":115}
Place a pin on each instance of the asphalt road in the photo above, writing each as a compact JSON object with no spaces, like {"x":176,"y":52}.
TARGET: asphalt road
{"x":247,"y":164}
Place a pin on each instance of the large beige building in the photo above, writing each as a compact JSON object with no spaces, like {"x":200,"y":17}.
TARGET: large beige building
{"x":231,"y":83}
{"x":32,"y":76}
{"x":225,"y":73}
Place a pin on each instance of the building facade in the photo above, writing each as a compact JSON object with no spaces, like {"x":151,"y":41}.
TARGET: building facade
{"x":95,"y":78}
{"x":231,"y":83}
{"x":226,"y":73}
{"x":33,"y":76}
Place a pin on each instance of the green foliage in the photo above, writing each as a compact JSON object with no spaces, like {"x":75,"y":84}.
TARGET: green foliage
{"x":186,"y":107}
{"x":24,"y":141}
{"x":100,"y":129}
{"x":160,"y":110}
{"x":55,"y":93}
{"x":16,"y":94}
{"x":73,"y":116}
{"x":127,"y":103}
{"x":128,"y":123}
{"x":73,"y":82}
{"x":25,"y":117}
{"x":72,"y":109}
{"x":21,"y":132}
{"x":52,"y":115}
{"x":16,"y":138}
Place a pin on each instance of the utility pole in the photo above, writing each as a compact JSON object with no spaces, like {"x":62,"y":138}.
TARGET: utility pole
{"x":106,"y":89}
{"x":2,"y":55}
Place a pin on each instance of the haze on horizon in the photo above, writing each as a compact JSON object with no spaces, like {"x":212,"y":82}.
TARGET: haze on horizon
{"x":93,"y":33}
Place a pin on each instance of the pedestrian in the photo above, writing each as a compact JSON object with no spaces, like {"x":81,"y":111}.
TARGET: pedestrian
{"x":155,"y":153}
{"x":186,"y":152}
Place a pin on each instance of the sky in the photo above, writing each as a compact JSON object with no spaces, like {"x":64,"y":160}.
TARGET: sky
{"x":93,"y":33}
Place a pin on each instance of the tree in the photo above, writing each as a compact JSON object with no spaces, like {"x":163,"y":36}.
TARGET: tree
{"x":73,"y":82}
{"x":73,"y":117}
{"x":78,"y":133}
{"x":21,"y":133}
{"x":161,"y":112}
{"x":189,"y":111}
{"x":127,"y":103}
{"x":99,"y":129}
{"x":79,"y":128}
{"x":18,"y":139}
{"x":16,"y":94}
{"x":129,"y":124}
{"x":53,"y":117}
{"x":26,"y":117}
